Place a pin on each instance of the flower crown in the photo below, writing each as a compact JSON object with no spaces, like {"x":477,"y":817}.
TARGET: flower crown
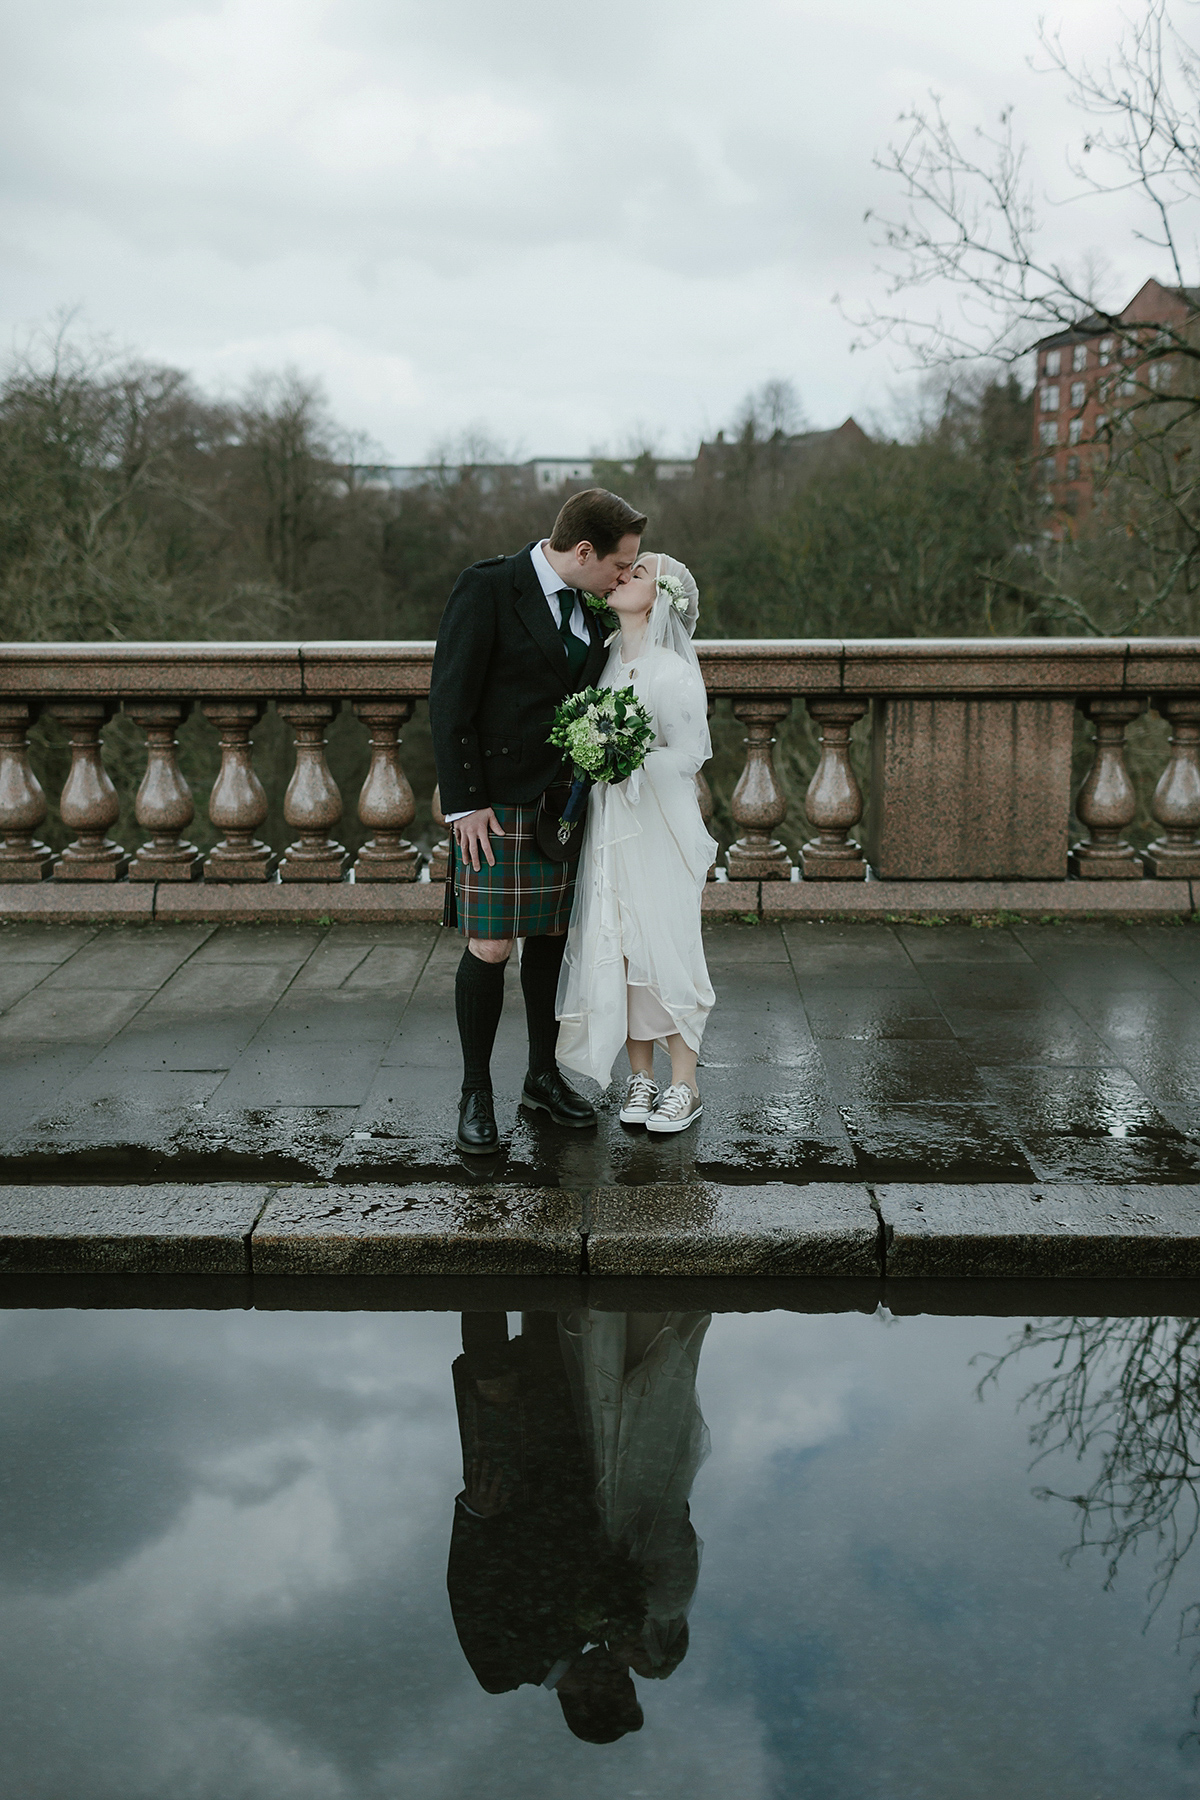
{"x":672,"y":588}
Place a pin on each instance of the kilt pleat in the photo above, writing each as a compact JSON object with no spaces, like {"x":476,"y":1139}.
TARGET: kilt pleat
{"x":523,"y":895}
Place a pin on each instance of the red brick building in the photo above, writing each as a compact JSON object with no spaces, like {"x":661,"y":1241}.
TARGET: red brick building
{"x":1084,"y":376}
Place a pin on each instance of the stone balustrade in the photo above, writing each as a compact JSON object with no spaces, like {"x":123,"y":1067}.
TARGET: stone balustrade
{"x":968,"y":742}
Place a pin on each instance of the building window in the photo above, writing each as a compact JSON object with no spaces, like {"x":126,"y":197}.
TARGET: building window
{"x":1074,"y":431}
{"x":1128,"y":385}
{"x":1049,"y":399}
{"x":1160,"y":375}
{"x":1078,"y":393}
{"x":1129,"y":349}
{"x":1106,"y":350}
{"x":1072,"y":468}
{"x":1053,"y":362}
{"x":1101,"y":421}
{"x":1079,"y":357}
{"x":1048,"y":431}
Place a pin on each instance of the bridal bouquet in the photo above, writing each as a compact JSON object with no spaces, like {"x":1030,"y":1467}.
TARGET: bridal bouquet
{"x":605,"y":733}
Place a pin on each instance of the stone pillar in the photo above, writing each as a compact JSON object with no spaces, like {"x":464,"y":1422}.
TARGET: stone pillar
{"x":22,"y":802}
{"x":164,"y":805}
{"x":238,"y":803}
{"x":758,"y":800}
{"x":89,"y":802}
{"x":705,"y":799}
{"x":386,"y":803}
{"x":969,"y":788}
{"x":439,"y":861}
{"x":834,"y":799}
{"x":1176,"y":803}
{"x":312,"y":802}
{"x":1107,"y":801}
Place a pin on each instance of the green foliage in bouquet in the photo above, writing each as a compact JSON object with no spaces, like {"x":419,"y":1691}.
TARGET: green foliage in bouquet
{"x":604,"y":731}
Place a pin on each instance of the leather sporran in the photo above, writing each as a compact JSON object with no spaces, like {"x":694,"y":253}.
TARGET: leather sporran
{"x":561,"y":816}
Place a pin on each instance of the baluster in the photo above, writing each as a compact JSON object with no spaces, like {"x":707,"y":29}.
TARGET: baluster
{"x":164,"y":806}
{"x":834,"y":799}
{"x":1176,"y":803}
{"x":705,"y":799}
{"x":312,"y":802}
{"x":22,"y":802}
{"x":1107,"y":801}
{"x":386,"y":803}
{"x":238,"y":803}
{"x":758,"y":800}
{"x":439,"y":861}
{"x":89,"y":802}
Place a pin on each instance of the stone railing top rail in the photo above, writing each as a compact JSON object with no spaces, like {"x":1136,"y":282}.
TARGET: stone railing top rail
{"x":861,"y":666}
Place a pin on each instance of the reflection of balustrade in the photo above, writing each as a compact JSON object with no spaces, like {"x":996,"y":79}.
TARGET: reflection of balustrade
{"x":968,"y":744}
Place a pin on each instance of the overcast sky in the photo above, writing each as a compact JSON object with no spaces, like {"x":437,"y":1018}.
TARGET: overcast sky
{"x":558,"y":224}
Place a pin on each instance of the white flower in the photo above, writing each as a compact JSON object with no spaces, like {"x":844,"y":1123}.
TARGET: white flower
{"x":672,"y":587}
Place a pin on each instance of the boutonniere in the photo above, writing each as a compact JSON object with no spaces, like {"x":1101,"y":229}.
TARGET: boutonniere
{"x":599,"y":605}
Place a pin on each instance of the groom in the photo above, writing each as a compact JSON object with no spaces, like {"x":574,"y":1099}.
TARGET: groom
{"x":514,"y":641}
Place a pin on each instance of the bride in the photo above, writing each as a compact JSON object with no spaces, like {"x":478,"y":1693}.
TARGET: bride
{"x":634,"y":972}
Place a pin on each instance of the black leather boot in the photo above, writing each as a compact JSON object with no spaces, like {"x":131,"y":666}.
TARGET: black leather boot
{"x":477,"y":1134}
{"x":550,"y":1093}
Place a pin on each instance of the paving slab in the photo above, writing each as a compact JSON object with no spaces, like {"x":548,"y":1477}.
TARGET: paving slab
{"x":703,"y":1228}
{"x":152,"y":1230}
{"x":1060,"y":1229}
{"x":420,"y":1229}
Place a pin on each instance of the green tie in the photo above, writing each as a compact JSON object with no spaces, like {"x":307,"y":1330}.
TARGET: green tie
{"x":577,"y":651}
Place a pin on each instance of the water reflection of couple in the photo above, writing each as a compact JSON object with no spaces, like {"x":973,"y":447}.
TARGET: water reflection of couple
{"x":573,"y":1560}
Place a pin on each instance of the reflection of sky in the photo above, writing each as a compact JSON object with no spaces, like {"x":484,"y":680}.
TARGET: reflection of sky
{"x":222,"y":1566}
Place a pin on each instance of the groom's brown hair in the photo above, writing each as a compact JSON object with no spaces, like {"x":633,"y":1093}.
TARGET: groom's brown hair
{"x":598,"y":518}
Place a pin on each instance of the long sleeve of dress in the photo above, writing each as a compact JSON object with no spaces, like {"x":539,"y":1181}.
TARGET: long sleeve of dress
{"x":682,"y":742}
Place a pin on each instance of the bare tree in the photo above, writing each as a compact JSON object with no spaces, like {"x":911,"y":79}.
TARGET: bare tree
{"x":1123,"y":1399}
{"x":971,"y":275}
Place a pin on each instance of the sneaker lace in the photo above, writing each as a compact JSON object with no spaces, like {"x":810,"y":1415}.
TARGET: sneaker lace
{"x":641,"y":1087}
{"x":676,"y":1101}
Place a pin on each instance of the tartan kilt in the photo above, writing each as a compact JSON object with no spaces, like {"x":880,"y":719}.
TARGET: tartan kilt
{"x":523,"y":895}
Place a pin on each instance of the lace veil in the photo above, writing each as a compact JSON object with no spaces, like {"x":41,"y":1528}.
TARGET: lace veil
{"x":667,"y":627}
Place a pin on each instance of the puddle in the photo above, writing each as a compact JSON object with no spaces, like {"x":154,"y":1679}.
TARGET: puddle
{"x":233,"y":1564}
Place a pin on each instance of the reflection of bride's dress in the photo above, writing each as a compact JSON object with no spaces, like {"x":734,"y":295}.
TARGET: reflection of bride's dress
{"x":634,"y":1378}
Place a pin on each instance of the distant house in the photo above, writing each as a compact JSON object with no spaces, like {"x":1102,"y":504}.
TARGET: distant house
{"x":792,"y":452}
{"x":1084,"y":377}
{"x":542,"y":474}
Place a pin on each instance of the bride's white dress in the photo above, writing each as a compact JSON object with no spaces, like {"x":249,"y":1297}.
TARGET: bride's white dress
{"x":633,"y":1376}
{"x":634,"y":961}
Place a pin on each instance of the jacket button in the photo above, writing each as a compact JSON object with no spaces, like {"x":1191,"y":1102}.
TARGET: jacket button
{"x":466,"y":740}
{"x":489,"y":753}
{"x":472,"y":790}
{"x":466,"y":766}
{"x":504,"y":752}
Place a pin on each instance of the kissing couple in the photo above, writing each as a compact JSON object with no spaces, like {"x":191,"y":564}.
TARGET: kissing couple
{"x":612,"y":951}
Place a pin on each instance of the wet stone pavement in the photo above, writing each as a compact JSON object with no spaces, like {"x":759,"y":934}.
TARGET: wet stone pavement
{"x":1048,"y":1053}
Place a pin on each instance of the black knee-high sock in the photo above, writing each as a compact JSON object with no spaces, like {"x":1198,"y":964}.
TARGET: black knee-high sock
{"x":541,"y":960}
{"x":478,"y":1003}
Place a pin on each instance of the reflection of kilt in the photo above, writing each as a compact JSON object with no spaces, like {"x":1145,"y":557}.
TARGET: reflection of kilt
{"x":524,"y":895}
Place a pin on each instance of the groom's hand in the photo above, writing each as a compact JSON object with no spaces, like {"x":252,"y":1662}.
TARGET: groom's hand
{"x":474,"y":832}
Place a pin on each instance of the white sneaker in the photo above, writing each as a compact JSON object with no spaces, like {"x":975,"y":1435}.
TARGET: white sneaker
{"x":677,"y":1109}
{"x":640,"y":1096}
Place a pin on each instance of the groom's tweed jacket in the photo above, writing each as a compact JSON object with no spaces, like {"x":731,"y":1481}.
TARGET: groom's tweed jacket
{"x":499,"y":673}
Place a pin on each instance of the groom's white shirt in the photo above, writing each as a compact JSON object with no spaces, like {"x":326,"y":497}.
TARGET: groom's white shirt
{"x":552,"y":587}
